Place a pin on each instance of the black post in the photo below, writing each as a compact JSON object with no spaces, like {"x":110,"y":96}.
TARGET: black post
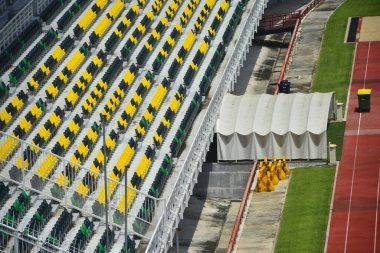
{"x":126,"y":209}
{"x":105,"y":180}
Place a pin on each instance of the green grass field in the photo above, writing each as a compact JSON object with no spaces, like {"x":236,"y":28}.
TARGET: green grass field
{"x":306,"y":211}
{"x":333,"y":71}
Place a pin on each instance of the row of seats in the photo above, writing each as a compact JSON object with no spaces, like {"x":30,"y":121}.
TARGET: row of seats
{"x":167,"y":48}
{"x":101,"y":88}
{"x":39,"y":219}
{"x":88,"y":183}
{"x":89,"y":17}
{"x":31,"y":59}
{"x":17,"y":210}
{"x":173,"y":8}
{"x":22,"y":129}
{"x":212,"y":68}
{"x":233,"y":23}
{"x":167,"y":120}
{"x":65,"y":140}
{"x":122,"y":27}
{"x":202,"y":17}
{"x":135,"y":101}
{"x":151,"y":43}
{"x":60,"y":229}
{"x":12,"y":109}
{"x":134,"y":38}
{"x":75,"y":9}
{"x":46,"y":132}
{"x":52,"y":10}
{"x":186,"y":124}
{"x":157,"y":6}
{"x":118,"y":171}
{"x":197,"y":61}
{"x":153,"y":107}
{"x":9,"y":55}
{"x":63,"y":77}
{"x":82,"y":84}
{"x":188,"y":11}
{"x":106,"y":22}
{"x":143,"y":167}
{"x":214,"y":27}
{"x":135,"y":183}
{"x":84,"y":234}
{"x":161,"y":177}
{"x":182,"y":54}
{"x":51,"y":63}
{"x":67,"y":177}
{"x":116,"y":98}
{"x":31,"y":119}
{"x":4,"y":91}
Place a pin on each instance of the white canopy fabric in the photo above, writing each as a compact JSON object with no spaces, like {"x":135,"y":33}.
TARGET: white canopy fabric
{"x":253,"y":126}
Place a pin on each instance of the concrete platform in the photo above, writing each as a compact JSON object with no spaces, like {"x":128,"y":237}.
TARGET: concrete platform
{"x":260,"y":224}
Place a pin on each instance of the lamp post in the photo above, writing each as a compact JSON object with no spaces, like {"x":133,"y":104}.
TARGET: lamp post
{"x":105,"y":178}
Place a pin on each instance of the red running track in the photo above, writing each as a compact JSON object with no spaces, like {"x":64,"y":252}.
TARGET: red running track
{"x":355,"y":225}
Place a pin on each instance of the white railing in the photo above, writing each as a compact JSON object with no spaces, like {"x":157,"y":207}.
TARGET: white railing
{"x":180,"y":194}
{"x":15,"y":169}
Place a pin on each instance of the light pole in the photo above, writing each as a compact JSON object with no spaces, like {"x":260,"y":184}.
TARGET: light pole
{"x":126,"y":208}
{"x":105,"y":178}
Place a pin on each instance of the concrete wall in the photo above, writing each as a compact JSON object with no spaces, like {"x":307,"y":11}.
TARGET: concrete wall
{"x":222,"y":180}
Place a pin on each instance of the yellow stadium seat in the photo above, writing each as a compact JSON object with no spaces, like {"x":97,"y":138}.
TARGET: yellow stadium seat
{"x":74,"y":127}
{"x":137,"y":98}
{"x":25,"y":125}
{"x":87,"y":76}
{"x":55,"y":119}
{"x":58,"y":54}
{"x":130,"y":109}
{"x":82,"y":189}
{"x":7,"y":148}
{"x":52,"y":90}
{"x":46,"y":166}
{"x":157,"y":137}
{"x":87,"y":19}
{"x":45,"y":69}
{"x":97,"y":61}
{"x":34,"y":83}
{"x":102,"y":26}
{"x":189,"y":41}
{"x":72,"y":97}
{"x":83,"y":149}
{"x":5,"y":117}
{"x":45,"y":133}
{"x":101,"y":3}
{"x":75,"y":61}
{"x":116,"y":9}
{"x":141,"y":28}
{"x":166,"y":122}
{"x":146,"y":83}
{"x":64,"y":142}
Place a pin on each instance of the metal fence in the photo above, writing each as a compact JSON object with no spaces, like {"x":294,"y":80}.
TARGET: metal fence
{"x":50,"y":176}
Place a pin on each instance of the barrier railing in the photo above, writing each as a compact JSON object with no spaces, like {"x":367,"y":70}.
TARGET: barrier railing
{"x":243,"y":205}
{"x":279,"y":21}
{"x":40,"y":171}
{"x":292,"y":42}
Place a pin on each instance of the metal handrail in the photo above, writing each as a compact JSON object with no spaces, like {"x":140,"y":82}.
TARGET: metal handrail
{"x":242,"y":207}
{"x":292,"y":43}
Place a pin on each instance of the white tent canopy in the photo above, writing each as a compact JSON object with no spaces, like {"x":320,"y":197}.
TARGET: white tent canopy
{"x":253,"y":126}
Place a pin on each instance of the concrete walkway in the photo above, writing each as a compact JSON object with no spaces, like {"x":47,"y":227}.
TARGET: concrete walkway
{"x":259,"y":230}
{"x":309,"y":39}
